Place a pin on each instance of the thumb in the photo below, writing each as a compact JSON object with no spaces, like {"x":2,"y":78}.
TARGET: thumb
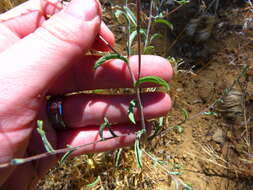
{"x":31,"y":65}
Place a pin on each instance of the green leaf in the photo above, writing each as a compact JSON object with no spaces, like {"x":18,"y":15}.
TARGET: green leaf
{"x":179,"y":128}
{"x":158,"y":127}
{"x":105,"y":58}
{"x":186,"y":114}
{"x":149,"y":50}
{"x":102,"y":128}
{"x":152,"y":79}
{"x":174,"y":173}
{"x":66,"y":155}
{"x":119,"y":13}
{"x":210,"y":113}
{"x":182,"y":1}
{"x":137,"y":147}
{"x":42,"y":134}
{"x":163,"y":21}
{"x":117,"y":157}
{"x":155,"y":36}
{"x":130,"y":111}
{"x":131,"y":16}
{"x":17,"y":161}
{"x":134,"y":34}
{"x":93,"y":184}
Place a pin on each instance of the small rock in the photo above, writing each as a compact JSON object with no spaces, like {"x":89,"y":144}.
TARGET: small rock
{"x":218,"y":136}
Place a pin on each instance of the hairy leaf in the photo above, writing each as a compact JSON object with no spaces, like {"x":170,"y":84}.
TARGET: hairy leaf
{"x":131,"y":16}
{"x":149,"y":50}
{"x":152,"y":79}
{"x":117,"y":157}
{"x":42,"y":134}
{"x":93,"y":184}
{"x":119,"y":13}
{"x":134,"y":34}
{"x":105,"y":58}
{"x":102,"y":128}
{"x":163,"y":21}
{"x":155,"y":36}
{"x":66,"y":155}
{"x":137,"y":147}
{"x":130,"y":111}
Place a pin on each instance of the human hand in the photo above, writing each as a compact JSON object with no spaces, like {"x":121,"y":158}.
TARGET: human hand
{"x":41,"y":57}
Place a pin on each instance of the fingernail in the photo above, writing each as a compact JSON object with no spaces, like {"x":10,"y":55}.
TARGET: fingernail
{"x":86,"y":10}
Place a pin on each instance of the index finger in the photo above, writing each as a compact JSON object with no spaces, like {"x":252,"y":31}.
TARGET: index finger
{"x":27,"y":17}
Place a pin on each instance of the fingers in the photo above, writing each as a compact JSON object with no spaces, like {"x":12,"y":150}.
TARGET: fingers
{"x":47,"y":52}
{"x":106,"y":33}
{"x":90,"y":135}
{"x":113,"y":74}
{"x":84,"y":110}
{"x":27,"y":17}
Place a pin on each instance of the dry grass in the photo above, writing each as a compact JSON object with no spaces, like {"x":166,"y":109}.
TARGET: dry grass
{"x":8,"y":4}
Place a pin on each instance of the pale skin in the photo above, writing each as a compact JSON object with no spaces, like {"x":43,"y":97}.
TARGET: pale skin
{"x":42,"y":52}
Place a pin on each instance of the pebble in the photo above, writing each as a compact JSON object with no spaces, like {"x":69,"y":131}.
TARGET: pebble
{"x":218,"y":136}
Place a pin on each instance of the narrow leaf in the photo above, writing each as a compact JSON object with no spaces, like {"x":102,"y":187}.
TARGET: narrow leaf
{"x":163,"y":21}
{"x":118,"y":13}
{"x":186,"y":114}
{"x":178,"y":128}
{"x":66,"y":155}
{"x":130,"y":111}
{"x":137,"y":147}
{"x":152,"y":79}
{"x":149,"y":50}
{"x":210,"y":113}
{"x":102,"y":128}
{"x":131,"y":16}
{"x":174,"y":173}
{"x":158,"y":127}
{"x":117,"y":157}
{"x":42,"y":134}
{"x":105,"y":58}
{"x":93,"y":184}
{"x":155,"y":36}
{"x":134,"y":34}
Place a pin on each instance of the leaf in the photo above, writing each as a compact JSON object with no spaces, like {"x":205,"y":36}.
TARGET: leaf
{"x":163,"y":21}
{"x":210,"y":113}
{"x":152,"y":79}
{"x":93,"y":184}
{"x":130,"y":111}
{"x":134,"y":34}
{"x":186,"y":114}
{"x":42,"y":134}
{"x":149,"y":50}
{"x":182,"y":1}
{"x":105,"y":58}
{"x":174,"y":173}
{"x":137,"y":147}
{"x":102,"y":128}
{"x":119,"y":13}
{"x":117,"y":157}
{"x":158,"y":127}
{"x":66,"y":155}
{"x":179,"y":128}
{"x":155,"y":36}
{"x":131,"y":16}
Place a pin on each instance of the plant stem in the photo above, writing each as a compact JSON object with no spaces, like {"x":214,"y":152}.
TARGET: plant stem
{"x":55,"y":152}
{"x":138,"y":13}
{"x":149,"y":23}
